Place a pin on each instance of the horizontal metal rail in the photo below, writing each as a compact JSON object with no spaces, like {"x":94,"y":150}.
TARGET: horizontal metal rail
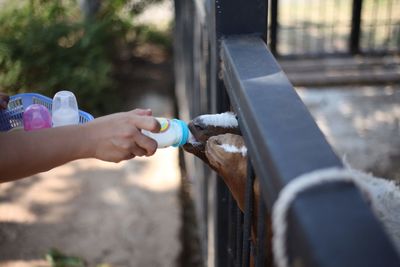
{"x":328,"y":226}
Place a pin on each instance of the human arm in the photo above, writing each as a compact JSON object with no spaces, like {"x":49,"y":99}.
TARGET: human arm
{"x":112,"y":138}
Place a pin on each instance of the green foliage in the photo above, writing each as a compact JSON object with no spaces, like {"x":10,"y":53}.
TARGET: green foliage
{"x":149,"y":34}
{"x":58,"y":259}
{"x":43,"y":50}
{"x":46,"y":46}
{"x":139,"y":6}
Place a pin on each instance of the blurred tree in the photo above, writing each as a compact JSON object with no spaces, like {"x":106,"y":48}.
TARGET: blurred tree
{"x":47,"y":46}
{"x":138,"y":6}
{"x":89,"y":7}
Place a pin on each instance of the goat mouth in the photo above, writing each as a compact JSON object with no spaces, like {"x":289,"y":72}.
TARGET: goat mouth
{"x":193,"y":141}
{"x":193,"y":145}
{"x":193,"y":137}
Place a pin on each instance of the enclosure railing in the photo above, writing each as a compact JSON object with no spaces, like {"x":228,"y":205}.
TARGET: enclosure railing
{"x":222,"y":62}
{"x":321,"y":28}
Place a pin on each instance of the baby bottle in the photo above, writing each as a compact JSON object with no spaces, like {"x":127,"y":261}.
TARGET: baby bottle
{"x":65,"y":109}
{"x":36,"y":117}
{"x":172,"y":133}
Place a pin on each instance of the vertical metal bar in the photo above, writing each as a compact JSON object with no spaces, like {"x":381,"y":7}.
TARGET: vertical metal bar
{"x":366,"y":45}
{"x":389,"y":24}
{"x":303,"y":48}
{"x":221,"y":103}
{"x":335,"y":24}
{"x":226,"y":20}
{"x":322,"y":20}
{"x":373,"y":26}
{"x":396,"y":33}
{"x":248,"y":213}
{"x":354,"y":45}
{"x":332,"y":26}
{"x":274,"y":27}
{"x":308,"y":28}
{"x":232,"y":237}
{"x":290,"y":30}
{"x":239,"y":237}
{"x":313,"y":25}
{"x":221,"y":231}
{"x":261,"y":233}
{"x":344,"y":25}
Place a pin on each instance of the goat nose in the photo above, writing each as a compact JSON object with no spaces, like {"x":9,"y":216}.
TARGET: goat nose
{"x":198,"y":124}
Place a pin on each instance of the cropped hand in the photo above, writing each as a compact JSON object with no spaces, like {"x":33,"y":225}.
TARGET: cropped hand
{"x":118,"y":136}
{"x":4,"y":98}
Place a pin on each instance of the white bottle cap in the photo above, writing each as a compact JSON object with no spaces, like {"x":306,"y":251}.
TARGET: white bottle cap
{"x":65,"y":109}
{"x":185,"y":133}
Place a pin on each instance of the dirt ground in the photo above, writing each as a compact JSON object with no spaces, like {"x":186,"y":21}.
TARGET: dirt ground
{"x":361,"y":123}
{"x":123,"y":214}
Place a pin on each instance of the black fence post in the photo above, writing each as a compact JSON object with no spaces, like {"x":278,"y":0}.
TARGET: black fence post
{"x":273,"y":30}
{"x":249,"y":202}
{"x":232,"y":17}
{"x":355,"y":35}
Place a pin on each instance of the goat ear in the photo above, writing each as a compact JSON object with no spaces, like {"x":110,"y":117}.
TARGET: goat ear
{"x":227,"y":155}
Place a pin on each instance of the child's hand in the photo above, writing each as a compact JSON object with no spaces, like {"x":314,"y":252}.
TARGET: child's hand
{"x":118,"y":137}
{"x":4,"y":100}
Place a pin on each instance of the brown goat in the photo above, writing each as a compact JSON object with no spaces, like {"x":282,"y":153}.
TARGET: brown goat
{"x":222,"y":147}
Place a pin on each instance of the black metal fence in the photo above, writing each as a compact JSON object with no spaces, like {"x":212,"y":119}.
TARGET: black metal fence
{"x":335,"y":27}
{"x":223,"y":63}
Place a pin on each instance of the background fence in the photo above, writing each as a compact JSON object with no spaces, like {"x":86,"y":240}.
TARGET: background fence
{"x":305,"y":28}
{"x":223,"y":63}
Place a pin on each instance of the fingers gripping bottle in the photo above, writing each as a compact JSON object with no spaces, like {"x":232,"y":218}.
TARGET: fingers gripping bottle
{"x":172,"y":133}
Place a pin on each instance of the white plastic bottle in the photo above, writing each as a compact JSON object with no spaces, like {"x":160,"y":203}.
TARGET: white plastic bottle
{"x":172,"y":133}
{"x":64,"y":109}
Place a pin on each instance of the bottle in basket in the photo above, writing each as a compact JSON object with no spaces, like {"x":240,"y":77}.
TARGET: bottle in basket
{"x":36,"y":117}
{"x":65,"y":109}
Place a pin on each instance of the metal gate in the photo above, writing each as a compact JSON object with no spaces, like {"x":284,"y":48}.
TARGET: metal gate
{"x":223,"y":63}
{"x":315,"y":28}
